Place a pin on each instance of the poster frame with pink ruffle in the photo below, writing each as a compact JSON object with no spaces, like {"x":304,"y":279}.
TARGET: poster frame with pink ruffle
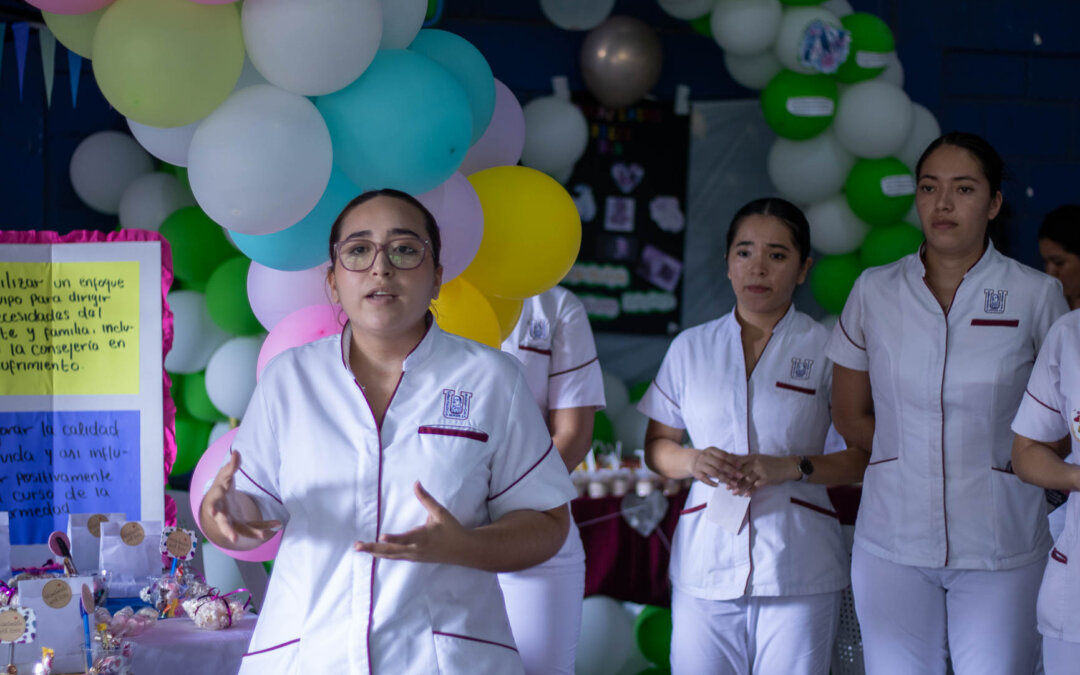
{"x":156,"y":410}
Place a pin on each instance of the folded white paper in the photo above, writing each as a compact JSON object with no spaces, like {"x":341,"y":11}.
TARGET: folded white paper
{"x":727,"y":510}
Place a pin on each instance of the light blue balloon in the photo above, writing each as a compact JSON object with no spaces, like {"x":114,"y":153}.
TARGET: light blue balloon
{"x":404,"y":124}
{"x":468,"y":65}
{"x":305,"y":244}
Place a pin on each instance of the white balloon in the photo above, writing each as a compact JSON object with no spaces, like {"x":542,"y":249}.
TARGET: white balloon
{"x":894,"y":71}
{"x":576,"y":14}
{"x":873,"y":119}
{"x":103,"y":166}
{"x":274,"y":294}
{"x":401,"y":21}
{"x":616,"y":395}
{"x":195,"y":335}
{"x":687,"y":9}
{"x":261,"y":161}
{"x":809,"y":171}
{"x":150,"y":199}
{"x":217,"y":431}
{"x":924,"y":130}
{"x":230,"y":374}
{"x":313,"y":47}
{"x":753,"y":72}
{"x":562,"y":174}
{"x":220,"y":570}
{"x":167,"y":144}
{"x":790,"y":36}
{"x":745,"y":27}
{"x":556,"y":134}
{"x":840,"y":8}
{"x":834,"y":228}
{"x":630,"y":428}
{"x":607,"y":637}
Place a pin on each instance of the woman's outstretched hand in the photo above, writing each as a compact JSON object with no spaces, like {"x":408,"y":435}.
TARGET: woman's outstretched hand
{"x":441,"y":539}
{"x":229,"y":517}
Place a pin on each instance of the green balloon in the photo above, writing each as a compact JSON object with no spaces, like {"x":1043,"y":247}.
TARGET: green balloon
{"x":637,"y":391}
{"x":702,"y":25}
{"x":871,"y":42}
{"x":831,"y":280}
{"x":227,"y":300}
{"x":176,"y":391}
{"x":880,"y":191}
{"x":192,"y":439}
{"x":652,"y":632}
{"x":884,"y":245}
{"x":198,"y":245}
{"x":798,"y":106}
{"x":603,"y":430}
{"x":801,"y":3}
{"x":196,"y":400}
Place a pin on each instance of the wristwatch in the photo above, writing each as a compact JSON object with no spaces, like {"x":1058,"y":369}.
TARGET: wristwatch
{"x":806,"y":467}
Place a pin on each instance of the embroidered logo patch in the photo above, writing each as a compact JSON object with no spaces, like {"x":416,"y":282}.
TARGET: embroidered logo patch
{"x":538,"y":329}
{"x":800,"y":368}
{"x":995,"y":301}
{"x":456,"y":404}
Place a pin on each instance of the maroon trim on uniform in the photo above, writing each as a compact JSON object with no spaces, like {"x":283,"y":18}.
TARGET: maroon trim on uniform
{"x":801,"y":390}
{"x":501,"y":493}
{"x":466,"y":637}
{"x":1003,"y":470}
{"x":882,"y":461}
{"x":270,"y":649}
{"x":1008,"y":323}
{"x":545,"y":352}
{"x":750,"y":504}
{"x":844,"y":331}
{"x":662,"y":392}
{"x":815,"y":507}
{"x":1028,"y":392}
{"x":449,"y":431}
{"x":271,"y":495}
{"x":692,"y":509}
{"x":1059,"y":556}
{"x":570,"y":370}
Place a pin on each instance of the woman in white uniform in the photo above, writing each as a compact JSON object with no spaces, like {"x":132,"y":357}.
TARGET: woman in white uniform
{"x":554,"y":343}
{"x":1045,"y":453}
{"x":390,"y":446}
{"x":757,"y":561}
{"x":932,"y":354}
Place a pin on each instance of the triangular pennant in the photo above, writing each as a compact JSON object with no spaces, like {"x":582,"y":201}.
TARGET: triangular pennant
{"x":48,"y":61}
{"x":3,"y":30}
{"x":74,"y":70}
{"x":21,"y":31}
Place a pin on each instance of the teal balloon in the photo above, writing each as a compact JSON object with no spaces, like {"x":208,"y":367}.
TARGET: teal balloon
{"x":831,"y":280}
{"x":404,"y":124}
{"x":305,"y":244}
{"x":468,"y":65}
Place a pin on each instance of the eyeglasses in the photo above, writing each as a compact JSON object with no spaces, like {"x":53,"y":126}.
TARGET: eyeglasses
{"x":358,"y":255}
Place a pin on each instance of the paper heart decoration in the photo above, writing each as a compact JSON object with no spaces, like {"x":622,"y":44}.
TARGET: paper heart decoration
{"x":627,"y":176}
{"x":644,"y":513}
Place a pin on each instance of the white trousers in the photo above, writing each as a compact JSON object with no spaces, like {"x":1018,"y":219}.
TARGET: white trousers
{"x":544,"y":606}
{"x":753,"y":635}
{"x":1060,"y":657}
{"x":913,"y":618}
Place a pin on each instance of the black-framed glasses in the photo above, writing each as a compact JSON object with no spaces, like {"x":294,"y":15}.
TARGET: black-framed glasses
{"x":358,"y":255}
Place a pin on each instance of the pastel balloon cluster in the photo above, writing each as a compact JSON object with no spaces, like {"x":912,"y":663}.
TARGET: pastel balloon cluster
{"x":848,"y":135}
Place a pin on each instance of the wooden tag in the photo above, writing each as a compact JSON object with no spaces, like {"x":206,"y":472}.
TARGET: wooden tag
{"x":178,"y":544}
{"x":12,"y":625}
{"x":132,"y":534}
{"x":56,"y":593}
{"x":93,"y":523}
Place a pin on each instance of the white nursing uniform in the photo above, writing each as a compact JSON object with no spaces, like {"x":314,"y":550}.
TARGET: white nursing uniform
{"x":554,"y":343}
{"x":939,"y":494}
{"x":1051,"y":410}
{"x":774,"y":585}
{"x":462,"y":422}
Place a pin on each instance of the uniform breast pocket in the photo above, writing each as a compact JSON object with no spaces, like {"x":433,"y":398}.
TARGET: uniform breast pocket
{"x":453,"y":465}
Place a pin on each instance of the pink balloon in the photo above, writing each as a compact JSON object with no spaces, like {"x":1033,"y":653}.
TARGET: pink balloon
{"x":502,"y":143}
{"x":214,"y":2}
{"x":274,"y":294}
{"x":70,"y":6}
{"x":210,"y":463}
{"x":299,"y":328}
{"x":460,"y":216}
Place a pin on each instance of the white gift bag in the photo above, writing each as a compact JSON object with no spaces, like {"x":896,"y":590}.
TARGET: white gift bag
{"x":84,"y":533}
{"x":55,"y":602}
{"x":131,"y":552}
{"x":5,"y":547}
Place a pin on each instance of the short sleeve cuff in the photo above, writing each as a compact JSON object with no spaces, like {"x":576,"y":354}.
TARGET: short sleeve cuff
{"x":844,"y":351}
{"x":1037,"y":421}
{"x":577,"y":388}
{"x":543,"y":486}
{"x":660,"y":406}
{"x":270,"y":506}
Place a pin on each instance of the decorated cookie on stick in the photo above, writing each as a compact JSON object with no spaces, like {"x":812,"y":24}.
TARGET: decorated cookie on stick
{"x":17,"y":627}
{"x":179,"y":544}
{"x":60,"y":546}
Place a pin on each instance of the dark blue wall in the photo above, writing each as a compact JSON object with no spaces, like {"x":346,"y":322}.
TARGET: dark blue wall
{"x":975,"y":63}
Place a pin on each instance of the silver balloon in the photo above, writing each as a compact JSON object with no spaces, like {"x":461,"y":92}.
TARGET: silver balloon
{"x":621,"y":60}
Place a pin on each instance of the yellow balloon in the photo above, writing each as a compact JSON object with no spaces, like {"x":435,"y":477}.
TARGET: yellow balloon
{"x":463,"y":310}
{"x":532,"y":232}
{"x":507,"y":311}
{"x":75,"y":31}
{"x":167,"y":63}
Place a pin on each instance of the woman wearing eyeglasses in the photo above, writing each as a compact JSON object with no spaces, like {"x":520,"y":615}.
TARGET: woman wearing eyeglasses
{"x":409,"y":464}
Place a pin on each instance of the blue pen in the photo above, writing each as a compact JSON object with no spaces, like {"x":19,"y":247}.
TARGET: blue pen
{"x":87,"y":600}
